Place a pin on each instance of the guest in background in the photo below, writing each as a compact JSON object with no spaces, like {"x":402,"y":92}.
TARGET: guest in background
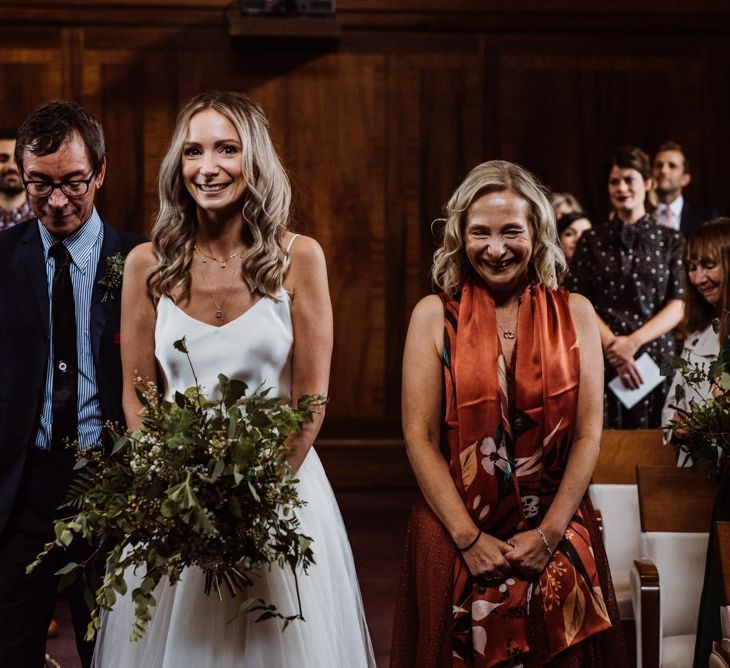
{"x":14,"y":207}
{"x":563,"y":203}
{"x":502,"y":421}
{"x":570,"y":229}
{"x":631,"y":270}
{"x":708,"y":620}
{"x":671,"y":176}
{"x":707,"y":274}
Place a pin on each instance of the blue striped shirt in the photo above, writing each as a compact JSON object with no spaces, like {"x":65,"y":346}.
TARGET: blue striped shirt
{"x":85,"y":248}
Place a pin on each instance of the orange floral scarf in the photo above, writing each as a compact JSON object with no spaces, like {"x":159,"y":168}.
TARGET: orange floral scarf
{"x":509,"y":437}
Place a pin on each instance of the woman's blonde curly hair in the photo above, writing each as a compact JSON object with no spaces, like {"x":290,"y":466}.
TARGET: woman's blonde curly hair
{"x":450,"y":265}
{"x":265,"y":208}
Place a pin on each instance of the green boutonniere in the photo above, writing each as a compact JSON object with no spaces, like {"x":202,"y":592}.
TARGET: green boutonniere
{"x":111,"y":281}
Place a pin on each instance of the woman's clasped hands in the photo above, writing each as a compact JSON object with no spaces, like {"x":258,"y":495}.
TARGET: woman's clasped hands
{"x":490,"y":558}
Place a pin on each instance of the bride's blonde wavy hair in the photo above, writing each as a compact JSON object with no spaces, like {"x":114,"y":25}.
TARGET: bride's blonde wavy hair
{"x":265,"y":208}
{"x":451,"y":266}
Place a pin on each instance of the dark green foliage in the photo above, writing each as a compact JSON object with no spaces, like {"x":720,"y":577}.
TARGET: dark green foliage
{"x":198,"y":484}
{"x":702,"y":431}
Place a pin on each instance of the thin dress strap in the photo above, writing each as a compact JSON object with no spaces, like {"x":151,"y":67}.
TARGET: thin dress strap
{"x":291,"y":243}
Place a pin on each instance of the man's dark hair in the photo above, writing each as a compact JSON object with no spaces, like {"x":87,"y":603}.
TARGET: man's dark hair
{"x":7,"y":133}
{"x":53,"y":123}
{"x":674,"y":146}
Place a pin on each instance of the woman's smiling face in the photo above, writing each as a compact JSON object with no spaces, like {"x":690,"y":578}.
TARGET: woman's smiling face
{"x":627,"y":190}
{"x":212,"y":167}
{"x":706,"y":275}
{"x":498,"y":240}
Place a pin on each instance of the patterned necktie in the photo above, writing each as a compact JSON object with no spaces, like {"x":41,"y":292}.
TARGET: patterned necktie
{"x":667,"y":218}
{"x":65,"y":365}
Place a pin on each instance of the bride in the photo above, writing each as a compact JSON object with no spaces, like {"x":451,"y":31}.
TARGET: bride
{"x":252,"y":300}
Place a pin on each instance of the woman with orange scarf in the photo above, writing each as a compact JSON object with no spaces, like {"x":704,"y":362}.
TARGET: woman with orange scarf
{"x":502,"y":414}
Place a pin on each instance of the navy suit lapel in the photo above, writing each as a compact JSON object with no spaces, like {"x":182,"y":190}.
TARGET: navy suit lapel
{"x":100,"y":311}
{"x":32,"y":264}
{"x":685,"y":224}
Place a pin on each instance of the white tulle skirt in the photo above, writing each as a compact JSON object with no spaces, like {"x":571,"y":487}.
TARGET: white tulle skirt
{"x":191,"y":629}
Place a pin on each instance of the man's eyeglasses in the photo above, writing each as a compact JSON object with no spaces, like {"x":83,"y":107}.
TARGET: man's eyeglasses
{"x":73,"y":188}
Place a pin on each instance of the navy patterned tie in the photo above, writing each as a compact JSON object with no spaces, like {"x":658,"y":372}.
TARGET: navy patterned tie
{"x":65,"y":364}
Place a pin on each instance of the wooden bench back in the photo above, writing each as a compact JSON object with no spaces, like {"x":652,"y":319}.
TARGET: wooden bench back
{"x":674,"y":499}
{"x":622,"y":450}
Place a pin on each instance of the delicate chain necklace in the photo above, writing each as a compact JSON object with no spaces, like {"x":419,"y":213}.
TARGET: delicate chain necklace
{"x":219,"y":307}
{"x":221,"y":262}
{"x":510,"y":334}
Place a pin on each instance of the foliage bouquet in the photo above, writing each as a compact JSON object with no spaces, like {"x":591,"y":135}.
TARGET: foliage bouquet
{"x":197,"y":484}
{"x":701,"y":431}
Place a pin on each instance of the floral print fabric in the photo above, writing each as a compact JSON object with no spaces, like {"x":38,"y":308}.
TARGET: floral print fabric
{"x":508,"y":445}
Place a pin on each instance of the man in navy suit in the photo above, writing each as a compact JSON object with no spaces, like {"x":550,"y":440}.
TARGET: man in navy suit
{"x":60,"y":154}
{"x":672,"y":175}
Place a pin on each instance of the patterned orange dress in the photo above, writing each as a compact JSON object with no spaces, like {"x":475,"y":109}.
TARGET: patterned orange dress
{"x":507,"y":437}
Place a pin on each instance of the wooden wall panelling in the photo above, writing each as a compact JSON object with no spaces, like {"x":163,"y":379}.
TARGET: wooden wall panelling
{"x":113,"y":90}
{"x":150,"y":85}
{"x":715,"y":130}
{"x":334,"y":144}
{"x":435,"y":137}
{"x":72,"y":45}
{"x":30,"y":76}
{"x":560,"y":105}
{"x":160,"y":110}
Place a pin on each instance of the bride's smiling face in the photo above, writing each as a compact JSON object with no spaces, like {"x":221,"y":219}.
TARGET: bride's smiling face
{"x":211,"y":165}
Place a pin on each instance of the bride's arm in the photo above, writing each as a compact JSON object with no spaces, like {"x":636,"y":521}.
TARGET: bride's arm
{"x":137,"y":334}
{"x":306,"y":281}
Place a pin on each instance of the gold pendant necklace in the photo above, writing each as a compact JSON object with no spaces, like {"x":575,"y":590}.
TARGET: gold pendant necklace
{"x":510,"y":334}
{"x":218,"y":307}
{"x":221,"y":262}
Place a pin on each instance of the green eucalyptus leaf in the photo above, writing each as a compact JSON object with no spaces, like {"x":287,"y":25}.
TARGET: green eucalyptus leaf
{"x":725,"y":381}
{"x":68,"y":568}
{"x":168,"y":508}
{"x":34,"y":564}
{"x":218,"y":469}
{"x":89,"y":598}
{"x":234,"y":391}
{"x":717,"y":367}
{"x":245,"y":606}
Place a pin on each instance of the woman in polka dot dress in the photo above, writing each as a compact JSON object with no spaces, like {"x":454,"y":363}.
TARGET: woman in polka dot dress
{"x":631,"y":269}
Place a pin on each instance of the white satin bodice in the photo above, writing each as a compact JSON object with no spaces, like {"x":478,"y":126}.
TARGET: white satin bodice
{"x":256,"y":347}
